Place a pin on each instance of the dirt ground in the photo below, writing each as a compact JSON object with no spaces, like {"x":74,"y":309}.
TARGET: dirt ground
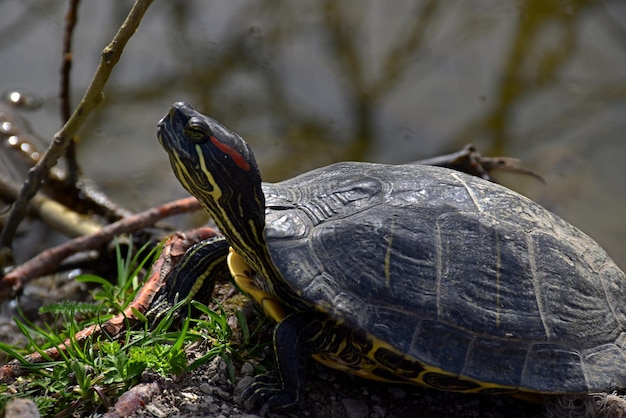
{"x":207,"y":392}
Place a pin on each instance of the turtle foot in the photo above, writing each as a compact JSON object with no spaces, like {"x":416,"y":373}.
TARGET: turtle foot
{"x":267,"y":392}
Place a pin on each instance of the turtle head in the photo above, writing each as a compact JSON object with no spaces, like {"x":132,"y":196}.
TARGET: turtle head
{"x":217,"y":167}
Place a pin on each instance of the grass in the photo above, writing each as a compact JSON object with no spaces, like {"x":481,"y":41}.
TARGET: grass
{"x":89,"y":378}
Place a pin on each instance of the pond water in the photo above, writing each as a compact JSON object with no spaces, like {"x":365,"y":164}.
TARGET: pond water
{"x":311,"y":82}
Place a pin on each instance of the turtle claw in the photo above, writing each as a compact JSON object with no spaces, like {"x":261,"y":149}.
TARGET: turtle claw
{"x":266,"y":391}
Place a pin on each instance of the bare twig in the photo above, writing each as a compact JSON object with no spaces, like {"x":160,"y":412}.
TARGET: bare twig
{"x":66,"y":66}
{"x":48,"y":260}
{"x":70,"y":23}
{"x":85,"y":193}
{"x":91,"y":99}
{"x":52,"y":213}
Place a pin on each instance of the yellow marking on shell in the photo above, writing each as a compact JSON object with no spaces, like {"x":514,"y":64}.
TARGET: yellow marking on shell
{"x":470,"y":192}
{"x":537,"y":284}
{"x":498,"y":267}
{"x":367,"y":363}
{"x":240,"y":270}
{"x":388,"y":253}
{"x":438,"y":269}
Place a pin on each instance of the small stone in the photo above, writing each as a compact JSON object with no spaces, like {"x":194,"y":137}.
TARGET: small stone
{"x":206,"y":388}
{"x":189,"y":395}
{"x":215,"y":378}
{"x":233,"y":323}
{"x":378,"y":411}
{"x":355,"y":408}
{"x":322,"y":375}
{"x":396,"y":392}
{"x":247,"y":369}
{"x":189,"y":407}
{"x":314,"y":395}
{"x":21,"y":408}
{"x":151,"y":376}
{"x":155,"y":411}
{"x":222,"y":367}
{"x":212,"y":408}
{"x":212,"y":365}
{"x":221,"y":393}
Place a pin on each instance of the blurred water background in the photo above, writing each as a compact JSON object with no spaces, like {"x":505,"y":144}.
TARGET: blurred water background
{"x":311,"y":82}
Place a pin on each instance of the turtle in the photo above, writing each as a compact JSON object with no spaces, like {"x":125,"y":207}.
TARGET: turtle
{"x":404,"y":273}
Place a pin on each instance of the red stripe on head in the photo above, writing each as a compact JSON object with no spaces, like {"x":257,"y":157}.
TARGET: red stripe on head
{"x":233,"y":153}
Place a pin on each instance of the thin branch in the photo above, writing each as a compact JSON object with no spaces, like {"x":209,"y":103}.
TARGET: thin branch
{"x":64,"y":93}
{"x":51,"y":212}
{"x":47,"y":261}
{"x":66,"y":66}
{"x":91,"y":99}
{"x":85,"y":193}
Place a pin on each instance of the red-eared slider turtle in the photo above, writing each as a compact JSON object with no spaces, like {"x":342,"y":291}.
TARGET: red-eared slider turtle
{"x":407,"y":273}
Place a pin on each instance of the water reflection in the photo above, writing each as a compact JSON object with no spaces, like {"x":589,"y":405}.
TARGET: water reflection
{"x":311,"y":82}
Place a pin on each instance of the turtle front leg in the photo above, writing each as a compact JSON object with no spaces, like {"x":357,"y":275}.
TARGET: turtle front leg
{"x":296,"y":338}
{"x":193,"y":277}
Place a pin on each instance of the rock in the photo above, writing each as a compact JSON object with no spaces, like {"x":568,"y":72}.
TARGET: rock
{"x":247,"y":369}
{"x":396,"y":392}
{"x":355,"y":408}
{"x":378,"y":411}
{"x":206,"y":388}
{"x":21,"y":408}
{"x":154,"y":410}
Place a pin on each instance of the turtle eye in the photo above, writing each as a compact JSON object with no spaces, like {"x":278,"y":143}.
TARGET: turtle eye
{"x":194,"y":134}
{"x":197,"y":130}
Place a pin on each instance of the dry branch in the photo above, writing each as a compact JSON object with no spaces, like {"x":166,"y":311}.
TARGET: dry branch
{"x":91,"y":99}
{"x":47,"y":261}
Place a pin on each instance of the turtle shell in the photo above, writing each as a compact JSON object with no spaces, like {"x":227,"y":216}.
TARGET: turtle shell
{"x":460,"y":274}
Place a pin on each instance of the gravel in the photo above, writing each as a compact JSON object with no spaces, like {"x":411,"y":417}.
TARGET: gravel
{"x":207,"y":392}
